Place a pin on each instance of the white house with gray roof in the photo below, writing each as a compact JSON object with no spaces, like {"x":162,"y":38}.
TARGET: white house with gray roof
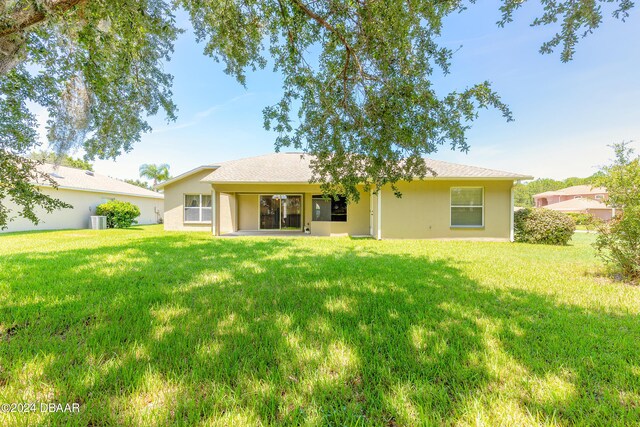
{"x":85,"y":190}
{"x":273,"y":194}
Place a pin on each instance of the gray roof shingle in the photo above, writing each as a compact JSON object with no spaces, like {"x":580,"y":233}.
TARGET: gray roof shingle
{"x":296,"y":167}
{"x":78,"y":179}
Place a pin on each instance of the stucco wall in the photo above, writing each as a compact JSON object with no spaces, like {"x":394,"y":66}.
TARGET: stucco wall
{"x":84,"y":205}
{"x":248,"y":212}
{"x":174,"y":202}
{"x":248,"y":216}
{"x":423,"y":212}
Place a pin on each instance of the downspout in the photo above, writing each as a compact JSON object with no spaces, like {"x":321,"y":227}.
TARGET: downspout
{"x":511,"y":230}
{"x":380,"y":214}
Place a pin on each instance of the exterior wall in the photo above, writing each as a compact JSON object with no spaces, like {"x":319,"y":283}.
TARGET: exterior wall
{"x":174,"y":202}
{"x":357,"y":223}
{"x":248,"y":215}
{"x":248,"y":218}
{"x":423,"y":212}
{"x":84,"y":205}
{"x":603,"y":214}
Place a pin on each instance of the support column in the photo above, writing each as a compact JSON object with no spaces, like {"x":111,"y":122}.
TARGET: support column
{"x":236,"y":216}
{"x":215,"y":221}
{"x":511,"y":221}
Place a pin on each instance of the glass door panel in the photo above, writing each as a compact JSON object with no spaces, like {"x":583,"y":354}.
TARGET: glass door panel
{"x":269,"y":213}
{"x":280,"y":212}
{"x":291,"y":213}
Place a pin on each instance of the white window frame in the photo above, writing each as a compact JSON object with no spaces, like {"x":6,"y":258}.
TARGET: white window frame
{"x":451,"y":206}
{"x":200,"y":208}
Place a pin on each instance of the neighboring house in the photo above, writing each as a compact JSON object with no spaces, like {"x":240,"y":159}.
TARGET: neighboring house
{"x":577,"y":199}
{"x":272,"y":193}
{"x":569,"y":193}
{"x":85,"y":190}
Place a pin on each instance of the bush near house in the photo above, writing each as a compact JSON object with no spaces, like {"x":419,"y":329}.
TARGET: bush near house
{"x":119,"y":214}
{"x":581,"y":218}
{"x":543,"y":226}
{"x":618,"y":243}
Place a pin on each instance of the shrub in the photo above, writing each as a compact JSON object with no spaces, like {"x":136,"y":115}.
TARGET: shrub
{"x":119,"y":214}
{"x":618,"y":242}
{"x":581,"y":218}
{"x":532,"y":225}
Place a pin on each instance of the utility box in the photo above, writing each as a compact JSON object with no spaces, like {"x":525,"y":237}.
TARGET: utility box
{"x":98,"y":222}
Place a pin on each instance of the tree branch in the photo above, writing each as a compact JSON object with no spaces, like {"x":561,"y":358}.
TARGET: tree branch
{"x":23,"y":18}
{"x":320,"y":20}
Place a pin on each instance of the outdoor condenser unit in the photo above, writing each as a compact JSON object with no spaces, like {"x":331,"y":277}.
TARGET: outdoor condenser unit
{"x":98,"y":222}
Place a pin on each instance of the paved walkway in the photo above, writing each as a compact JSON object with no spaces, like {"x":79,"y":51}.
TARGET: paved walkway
{"x":273,"y":233}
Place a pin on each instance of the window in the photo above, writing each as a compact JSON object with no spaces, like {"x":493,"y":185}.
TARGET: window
{"x":197,"y":208}
{"x":467,"y":207}
{"x":329,"y":209}
{"x":599,"y":197}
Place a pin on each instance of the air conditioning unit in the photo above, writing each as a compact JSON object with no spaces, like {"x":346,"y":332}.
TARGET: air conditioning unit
{"x":98,"y":222}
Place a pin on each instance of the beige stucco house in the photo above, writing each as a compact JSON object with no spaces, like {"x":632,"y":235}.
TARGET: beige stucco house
{"x":272,"y":194}
{"x":85,"y":190}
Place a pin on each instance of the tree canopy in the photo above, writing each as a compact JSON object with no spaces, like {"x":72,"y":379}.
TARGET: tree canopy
{"x":62,"y":159}
{"x":156,"y":173}
{"x":357,"y":89}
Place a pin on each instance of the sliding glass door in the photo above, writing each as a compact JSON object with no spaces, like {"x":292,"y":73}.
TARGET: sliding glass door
{"x":280,"y":212}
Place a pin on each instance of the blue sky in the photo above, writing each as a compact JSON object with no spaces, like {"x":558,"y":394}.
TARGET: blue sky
{"x":565,"y":114}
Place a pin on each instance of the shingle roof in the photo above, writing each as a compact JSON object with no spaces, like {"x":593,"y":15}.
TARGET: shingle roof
{"x":296,"y":167}
{"x":78,"y":179}
{"x":580,"y":204}
{"x":576,"y":190}
{"x":185,"y":175}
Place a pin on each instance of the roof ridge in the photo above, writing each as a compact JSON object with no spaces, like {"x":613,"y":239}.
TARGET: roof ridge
{"x":466,"y":165}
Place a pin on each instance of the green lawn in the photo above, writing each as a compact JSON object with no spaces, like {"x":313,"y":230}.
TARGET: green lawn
{"x":143,"y":327}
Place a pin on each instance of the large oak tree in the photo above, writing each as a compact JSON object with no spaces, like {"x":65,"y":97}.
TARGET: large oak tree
{"x":357,"y":89}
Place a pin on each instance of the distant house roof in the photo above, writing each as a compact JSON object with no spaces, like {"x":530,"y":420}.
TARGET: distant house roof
{"x":576,"y":190}
{"x":296,"y":168}
{"x":81,"y":180}
{"x":577,"y":205}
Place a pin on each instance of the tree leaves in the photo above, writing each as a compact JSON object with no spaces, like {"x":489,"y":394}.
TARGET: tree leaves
{"x":357,"y":75}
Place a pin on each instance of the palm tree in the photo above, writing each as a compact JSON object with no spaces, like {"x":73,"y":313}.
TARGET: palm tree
{"x":157,"y":173}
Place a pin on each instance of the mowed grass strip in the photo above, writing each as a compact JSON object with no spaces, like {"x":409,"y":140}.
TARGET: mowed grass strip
{"x":144,"y":327}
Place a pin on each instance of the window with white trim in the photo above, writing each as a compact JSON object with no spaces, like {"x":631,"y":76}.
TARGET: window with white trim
{"x":197,"y":208}
{"x":329,"y":209}
{"x":467,"y":207}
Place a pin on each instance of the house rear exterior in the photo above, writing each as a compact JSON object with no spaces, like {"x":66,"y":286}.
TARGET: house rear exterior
{"x":272,"y":193}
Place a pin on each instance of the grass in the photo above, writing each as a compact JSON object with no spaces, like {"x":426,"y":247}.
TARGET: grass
{"x":143,"y":327}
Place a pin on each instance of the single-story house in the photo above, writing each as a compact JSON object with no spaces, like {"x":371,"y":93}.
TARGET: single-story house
{"x":273,"y":193}
{"x":583,"y":205}
{"x":85,"y":190}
